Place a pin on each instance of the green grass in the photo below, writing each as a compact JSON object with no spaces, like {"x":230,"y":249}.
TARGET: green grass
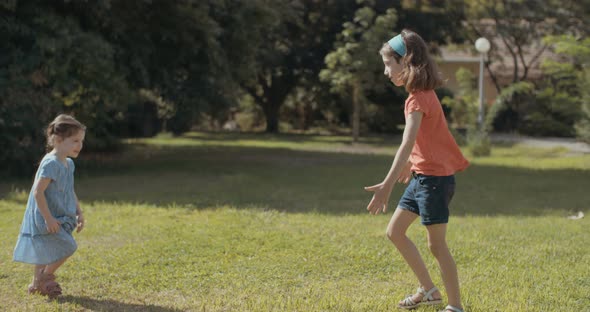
{"x":227,"y":222}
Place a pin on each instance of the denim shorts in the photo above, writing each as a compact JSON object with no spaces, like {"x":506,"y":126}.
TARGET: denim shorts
{"x":429,"y":197}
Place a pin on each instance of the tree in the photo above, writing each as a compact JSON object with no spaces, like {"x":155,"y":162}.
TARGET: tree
{"x":437,"y":22}
{"x":49,"y":64}
{"x":516,"y":28}
{"x":583,"y":126}
{"x":92,"y":58}
{"x":291,"y":51}
{"x":570,"y":84}
{"x":352,"y":66}
{"x":464,"y":105}
{"x":171,"y":48}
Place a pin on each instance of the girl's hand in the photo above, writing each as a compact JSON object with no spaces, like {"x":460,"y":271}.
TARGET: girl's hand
{"x":81,"y":221}
{"x":52,"y":225}
{"x":406,"y":174}
{"x":380,"y":198}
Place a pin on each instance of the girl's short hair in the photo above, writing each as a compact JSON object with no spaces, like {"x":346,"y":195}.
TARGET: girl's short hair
{"x":63,"y":126}
{"x":419,"y":71}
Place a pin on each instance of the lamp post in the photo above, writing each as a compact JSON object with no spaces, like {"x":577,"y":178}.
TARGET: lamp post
{"x":482,"y":45}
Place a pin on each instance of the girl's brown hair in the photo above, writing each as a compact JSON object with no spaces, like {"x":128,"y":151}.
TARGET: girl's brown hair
{"x":419,"y":71}
{"x":63,"y":126}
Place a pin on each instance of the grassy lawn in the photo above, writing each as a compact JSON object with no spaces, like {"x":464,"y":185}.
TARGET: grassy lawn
{"x":242,"y":222}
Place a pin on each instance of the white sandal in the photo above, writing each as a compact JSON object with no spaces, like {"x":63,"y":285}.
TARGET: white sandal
{"x":452,"y":308}
{"x":427,"y":299}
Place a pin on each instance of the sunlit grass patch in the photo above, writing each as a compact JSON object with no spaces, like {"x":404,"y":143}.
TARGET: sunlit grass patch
{"x":227,"y":223}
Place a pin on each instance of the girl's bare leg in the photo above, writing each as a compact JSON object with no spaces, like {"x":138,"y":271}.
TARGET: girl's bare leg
{"x":38,"y":269}
{"x":396,"y":232}
{"x":51,"y":268}
{"x":438,"y":246}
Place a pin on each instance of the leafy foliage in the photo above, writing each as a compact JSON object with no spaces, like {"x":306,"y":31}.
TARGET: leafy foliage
{"x":501,"y":105}
{"x":464,"y":105}
{"x":354,"y":66}
{"x":51,"y":65}
{"x":516,"y":30}
{"x":290,"y":53}
{"x":91,"y":59}
{"x":573,"y":80}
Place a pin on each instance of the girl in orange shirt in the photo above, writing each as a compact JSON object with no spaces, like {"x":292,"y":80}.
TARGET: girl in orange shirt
{"x":428,"y":158}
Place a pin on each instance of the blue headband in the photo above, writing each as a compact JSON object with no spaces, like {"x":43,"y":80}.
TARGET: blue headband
{"x":398,"y":45}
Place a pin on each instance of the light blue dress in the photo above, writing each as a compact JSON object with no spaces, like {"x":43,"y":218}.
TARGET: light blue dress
{"x":35,"y":244}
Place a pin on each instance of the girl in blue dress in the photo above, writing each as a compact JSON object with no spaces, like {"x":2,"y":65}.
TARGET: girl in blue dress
{"x":53,"y":211}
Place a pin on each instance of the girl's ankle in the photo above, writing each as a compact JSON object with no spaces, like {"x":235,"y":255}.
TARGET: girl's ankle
{"x":458,"y":306}
{"x":37,"y":277}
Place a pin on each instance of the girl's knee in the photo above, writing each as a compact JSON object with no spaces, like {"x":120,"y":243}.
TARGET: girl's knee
{"x":437,"y":248}
{"x":394,"y":235}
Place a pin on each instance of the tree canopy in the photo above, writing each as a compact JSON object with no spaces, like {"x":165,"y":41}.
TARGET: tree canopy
{"x":136,"y":67}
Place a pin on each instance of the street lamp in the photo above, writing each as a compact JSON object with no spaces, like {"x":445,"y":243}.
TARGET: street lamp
{"x":482,"y":45}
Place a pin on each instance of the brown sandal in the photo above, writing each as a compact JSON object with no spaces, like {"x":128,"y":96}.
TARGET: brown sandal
{"x":48,"y":286}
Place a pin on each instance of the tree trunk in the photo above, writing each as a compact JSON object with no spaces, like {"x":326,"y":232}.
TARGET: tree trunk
{"x":274,"y":96}
{"x":274,"y":92}
{"x":271,"y":113}
{"x":307,"y":114}
{"x":356,"y":111}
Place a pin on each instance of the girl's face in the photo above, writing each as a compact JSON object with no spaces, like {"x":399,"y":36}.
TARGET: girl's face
{"x":70,"y":146}
{"x":392,"y":70}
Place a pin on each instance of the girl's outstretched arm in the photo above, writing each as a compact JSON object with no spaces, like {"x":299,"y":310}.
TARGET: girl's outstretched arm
{"x":383,"y":190}
{"x":39,"y":193}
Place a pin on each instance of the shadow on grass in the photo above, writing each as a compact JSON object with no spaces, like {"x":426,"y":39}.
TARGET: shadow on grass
{"x":112,"y":305}
{"x":290,"y":137}
{"x":314,"y":182}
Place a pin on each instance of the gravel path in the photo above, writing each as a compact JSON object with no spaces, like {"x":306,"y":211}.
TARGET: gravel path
{"x":573,"y":145}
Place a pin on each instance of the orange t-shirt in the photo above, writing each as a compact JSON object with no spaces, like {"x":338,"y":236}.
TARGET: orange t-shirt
{"x":435,"y":152}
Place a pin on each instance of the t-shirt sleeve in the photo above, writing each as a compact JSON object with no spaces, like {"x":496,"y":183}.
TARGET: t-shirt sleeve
{"x":415,"y":105}
{"x":49,"y":169}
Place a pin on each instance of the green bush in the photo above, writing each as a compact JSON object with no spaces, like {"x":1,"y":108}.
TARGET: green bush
{"x":539,"y":124}
{"x":463,"y":106}
{"x":571,"y":78}
{"x":583,"y":125}
{"x":505,"y":113}
{"x":460,"y":135}
{"x":383,"y":119}
{"x":478,"y":143}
